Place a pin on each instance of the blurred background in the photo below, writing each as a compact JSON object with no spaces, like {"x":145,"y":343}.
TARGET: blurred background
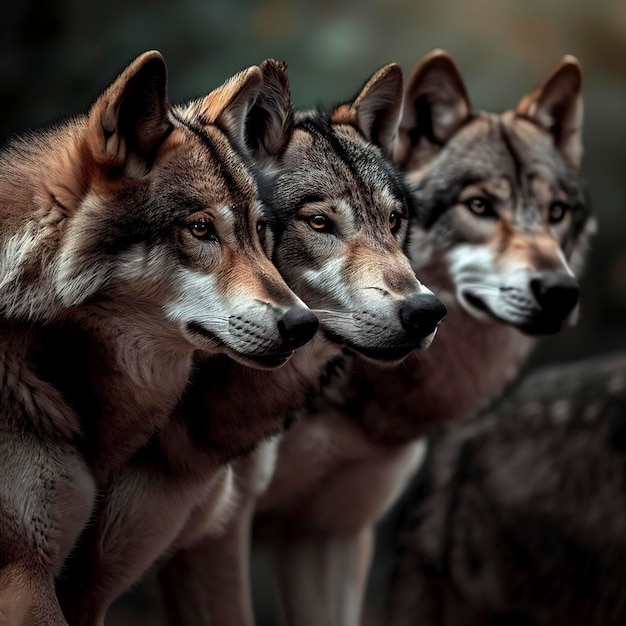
{"x":56,"y":56}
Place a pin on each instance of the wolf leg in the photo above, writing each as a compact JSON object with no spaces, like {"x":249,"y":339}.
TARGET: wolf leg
{"x":46,"y":497}
{"x":322,"y":578}
{"x":139,"y":519}
{"x":323,"y":558}
{"x":208,"y":584}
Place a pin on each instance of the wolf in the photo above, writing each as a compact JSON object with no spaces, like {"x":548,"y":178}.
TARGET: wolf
{"x":499,"y":231}
{"x":130,"y":241}
{"x":521,"y":515}
{"x":337,"y":217}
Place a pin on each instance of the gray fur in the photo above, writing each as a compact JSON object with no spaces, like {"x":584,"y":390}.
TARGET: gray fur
{"x":520,"y":518}
{"x":366,"y":424}
{"x":327,"y":167}
{"x":98,"y":321}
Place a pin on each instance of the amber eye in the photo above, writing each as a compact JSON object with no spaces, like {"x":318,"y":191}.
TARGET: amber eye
{"x":261,"y":227}
{"x":480,"y":206}
{"x":557,"y":211}
{"x":201,"y":228}
{"x":319,"y":222}
{"x":394,"y":222}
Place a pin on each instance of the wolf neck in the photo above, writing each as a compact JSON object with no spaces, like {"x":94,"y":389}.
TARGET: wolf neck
{"x":232,"y":408}
{"x":123,"y":376}
{"x":156,"y":365}
{"x":469,"y":363}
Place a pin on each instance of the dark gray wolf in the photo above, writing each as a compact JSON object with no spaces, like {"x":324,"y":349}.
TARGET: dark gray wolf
{"x":337,"y":214}
{"x":130,"y":240}
{"x":522,"y":517}
{"x":499,"y":232}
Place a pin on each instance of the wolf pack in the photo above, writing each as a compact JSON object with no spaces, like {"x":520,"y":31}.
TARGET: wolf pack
{"x":229,"y":319}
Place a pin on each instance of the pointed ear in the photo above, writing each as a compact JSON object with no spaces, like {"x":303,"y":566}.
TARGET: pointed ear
{"x":376,"y":110}
{"x":435,"y":105}
{"x":269,"y":124}
{"x":229,"y":105}
{"x":557,"y":105}
{"x":130,"y":119}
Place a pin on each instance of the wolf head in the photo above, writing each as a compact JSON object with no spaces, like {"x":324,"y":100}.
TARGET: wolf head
{"x":340,"y":211}
{"x":502,"y":218}
{"x":141,"y":207}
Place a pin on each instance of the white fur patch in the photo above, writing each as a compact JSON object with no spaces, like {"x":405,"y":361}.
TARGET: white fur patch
{"x":14,"y":252}
{"x":265,"y":458}
{"x":198,"y":301}
{"x":224,"y":499}
{"x":148,"y":267}
{"x":18,"y":298}
{"x":326,"y":279}
{"x":464,"y":258}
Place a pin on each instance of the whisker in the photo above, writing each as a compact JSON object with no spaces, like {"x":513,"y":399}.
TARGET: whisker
{"x":333,"y":314}
{"x":481,"y":287}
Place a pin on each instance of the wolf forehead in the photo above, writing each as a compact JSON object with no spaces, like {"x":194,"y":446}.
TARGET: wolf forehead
{"x":514,"y":154}
{"x":195,"y":170}
{"x":206,"y":165}
{"x":326,"y":161}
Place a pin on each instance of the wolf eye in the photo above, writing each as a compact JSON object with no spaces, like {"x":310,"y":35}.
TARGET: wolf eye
{"x":394,"y":222}
{"x":319,"y":222}
{"x":557,"y":211}
{"x":201,"y":228}
{"x":261,"y":227}
{"x":480,"y":207}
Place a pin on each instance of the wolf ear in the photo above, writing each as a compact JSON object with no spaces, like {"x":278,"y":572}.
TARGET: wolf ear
{"x":376,"y":110}
{"x":557,"y":105}
{"x":270,"y":120}
{"x":228,"y":106}
{"x":435,"y":105}
{"x":131,"y":116}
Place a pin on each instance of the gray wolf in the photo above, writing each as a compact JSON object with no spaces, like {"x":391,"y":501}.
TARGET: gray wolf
{"x":521,"y":515}
{"x":337,"y":216}
{"x":499,"y":232}
{"x":130,"y":241}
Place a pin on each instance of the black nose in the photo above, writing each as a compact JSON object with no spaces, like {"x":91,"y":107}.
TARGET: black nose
{"x":556,"y":293}
{"x":421,"y":314}
{"x":297,"y":326}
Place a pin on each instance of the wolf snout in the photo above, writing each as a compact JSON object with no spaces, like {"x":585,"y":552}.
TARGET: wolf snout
{"x":421,"y":314}
{"x":297,"y":326}
{"x":556,"y":292}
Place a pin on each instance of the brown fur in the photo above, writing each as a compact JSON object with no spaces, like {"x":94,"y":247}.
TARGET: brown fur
{"x":355,"y":274}
{"x":103,"y":288}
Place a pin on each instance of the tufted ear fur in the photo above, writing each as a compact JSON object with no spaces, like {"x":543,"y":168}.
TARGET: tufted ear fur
{"x":269,"y":124}
{"x":435,"y":105}
{"x":228,"y":106}
{"x":130,"y":119}
{"x":376,"y":110}
{"x":557,"y":105}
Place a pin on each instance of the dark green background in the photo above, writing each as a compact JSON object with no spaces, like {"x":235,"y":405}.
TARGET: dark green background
{"x":55,"y":57}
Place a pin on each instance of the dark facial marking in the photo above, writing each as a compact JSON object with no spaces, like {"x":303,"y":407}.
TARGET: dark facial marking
{"x":234,"y":190}
{"x":515,"y":157}
{"x":322,"y":129}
